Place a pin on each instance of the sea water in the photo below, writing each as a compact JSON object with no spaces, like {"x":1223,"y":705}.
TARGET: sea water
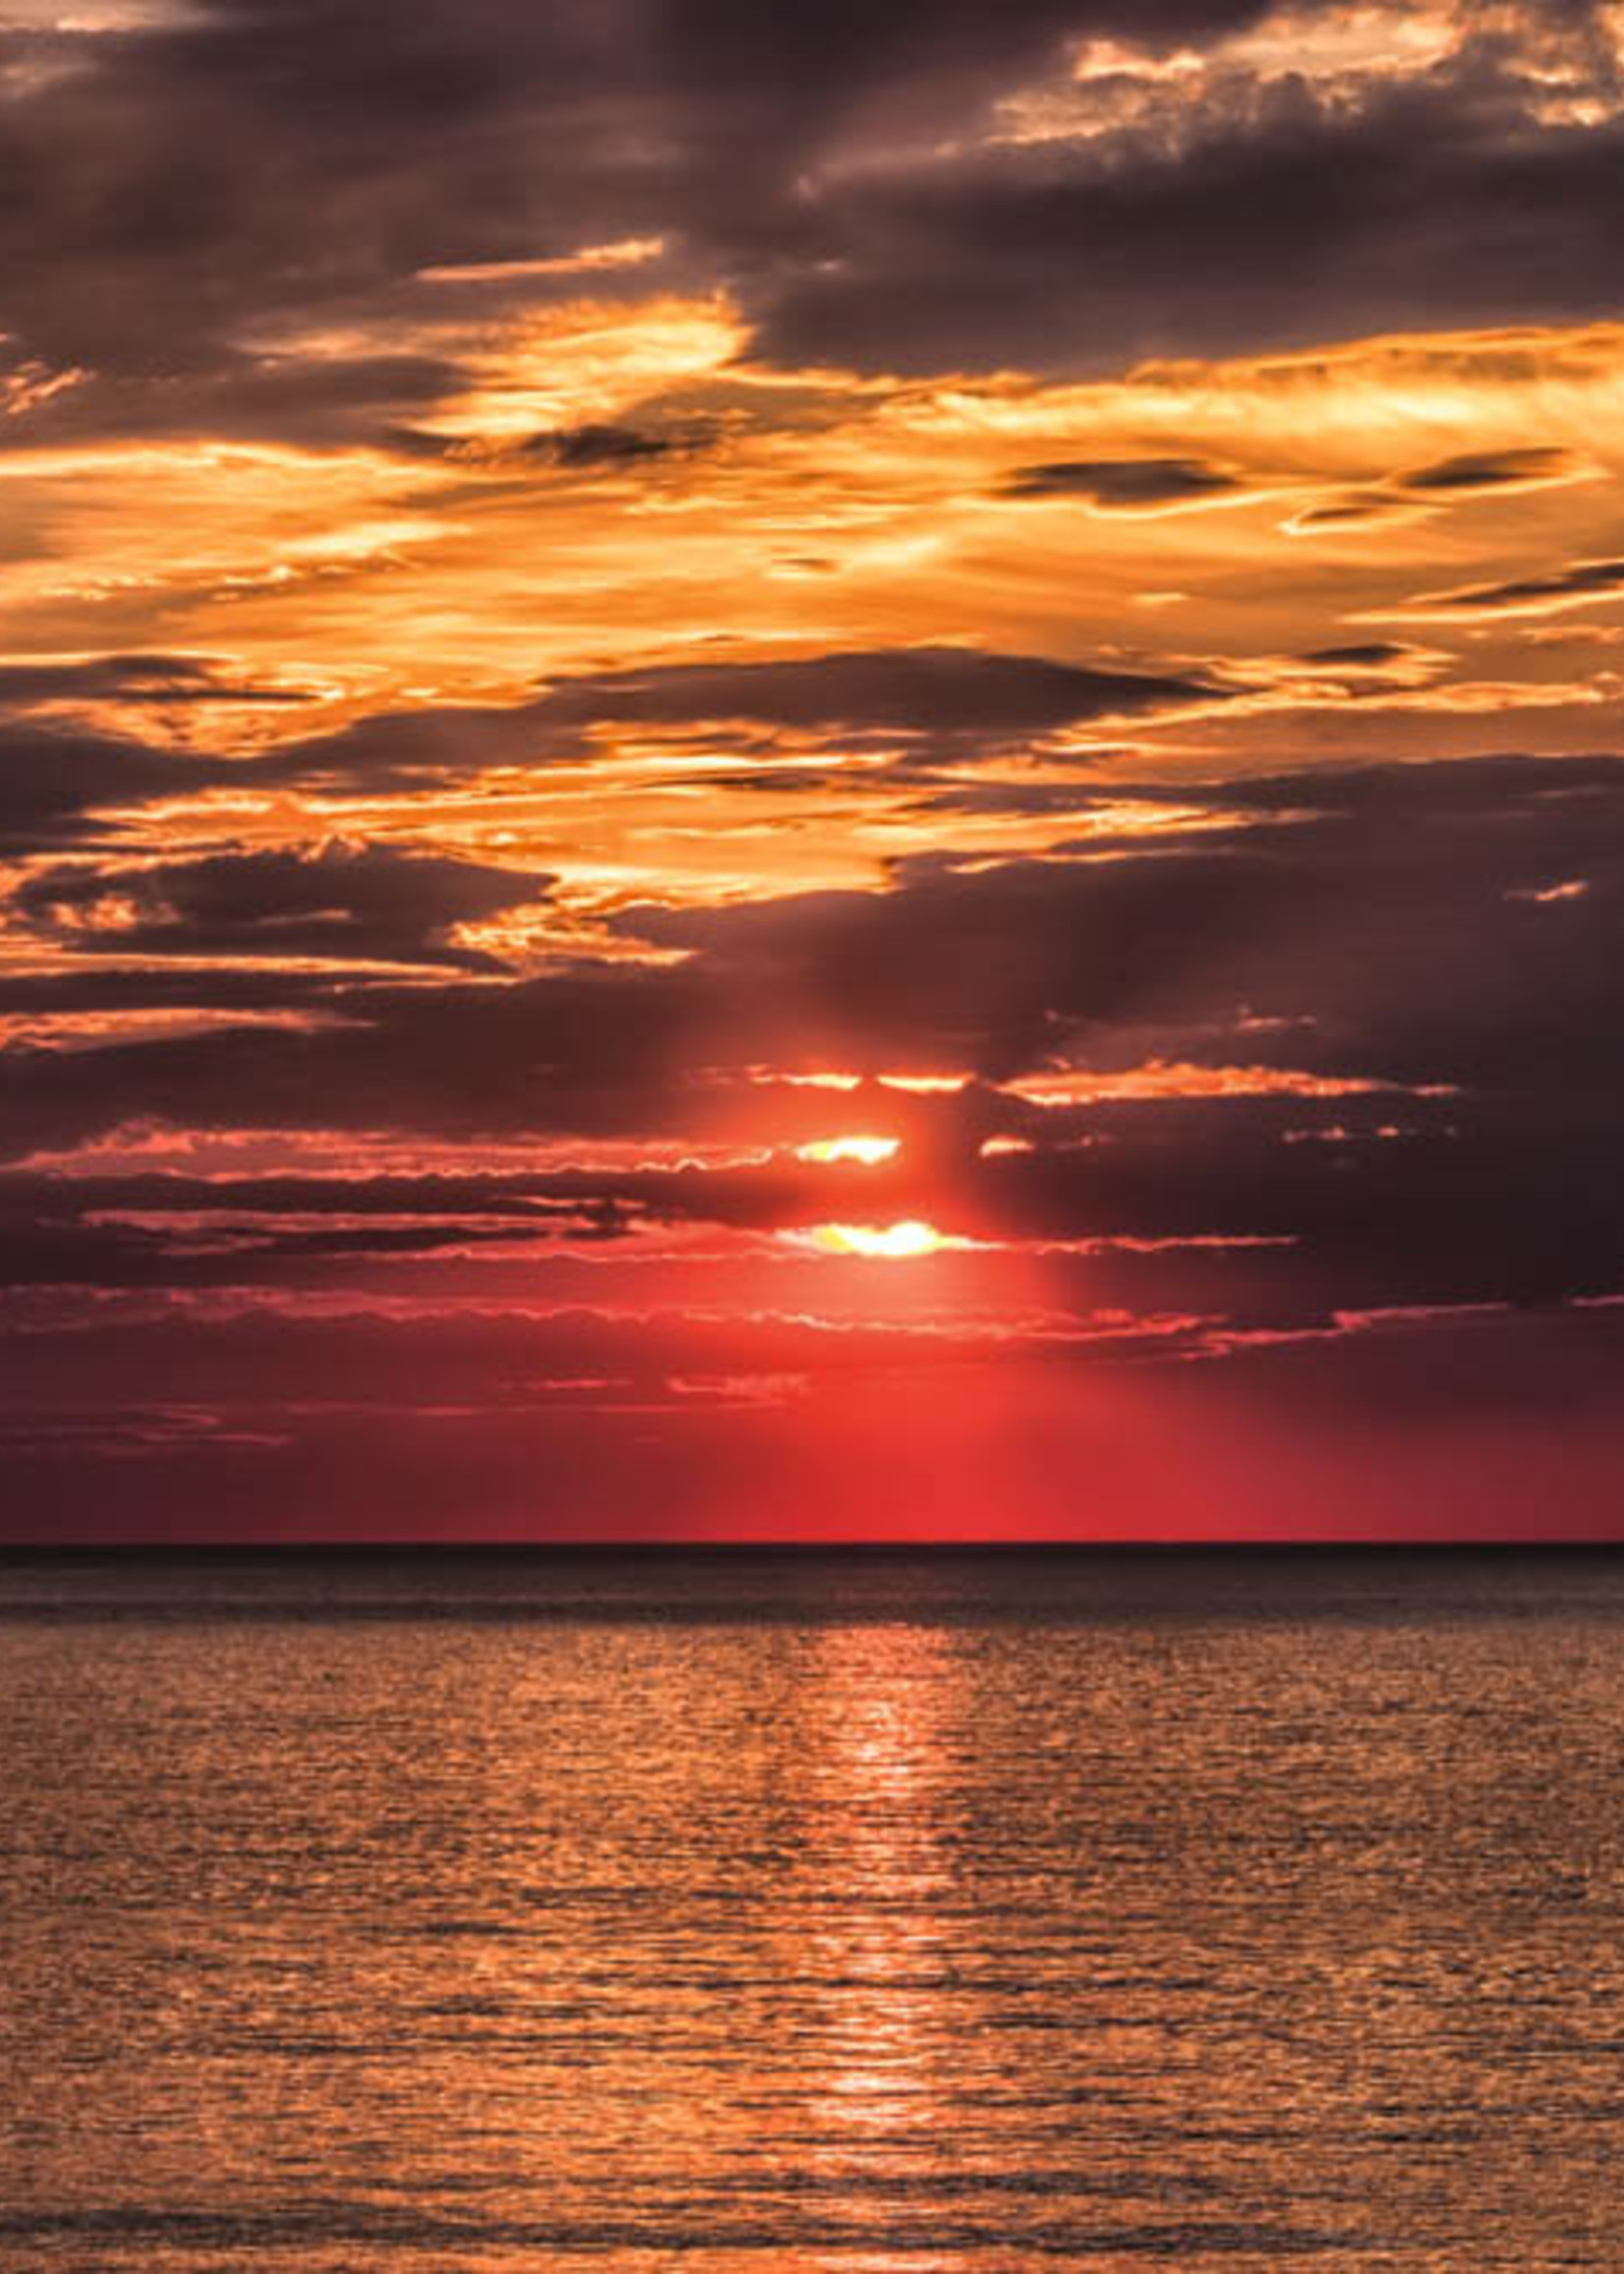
{"x":848,"y":1911}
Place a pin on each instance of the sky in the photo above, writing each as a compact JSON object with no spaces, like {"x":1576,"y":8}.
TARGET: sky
{"x":848,"y":772}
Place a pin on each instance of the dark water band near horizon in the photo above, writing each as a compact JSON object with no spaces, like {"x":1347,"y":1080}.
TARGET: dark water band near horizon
{"x":836,"y":1910}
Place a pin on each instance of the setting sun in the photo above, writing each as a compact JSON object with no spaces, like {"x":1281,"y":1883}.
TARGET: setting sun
{"x":888,"y":1243}
{"x":870,"y":1151}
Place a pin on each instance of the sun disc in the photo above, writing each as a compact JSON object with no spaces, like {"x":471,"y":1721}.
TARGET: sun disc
{"x":887,"y":1243}
{"x":869,"y":1151}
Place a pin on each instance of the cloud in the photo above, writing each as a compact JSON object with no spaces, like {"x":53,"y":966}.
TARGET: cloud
{"x":1268,"y":216}
{"x":233,"y":220}
{"x":1480,"y":472}
{"x":1129,"y":485}
{"x":139,"y":679}
{"x":590,"y":446}
{"x":1563,"y":588}
{"x":53,"y":781}
{"x":240,"y":175}
{"x":959,"y":696}
{"x":369,"y":904}
{"x":1366,"y":656}
{"x":1411,"y":495}
{"x":598,"y":446}
{"x":1388,"y":925}
{"x":1366,"y":509}
{"x":1309,"y":1240}
{"x":492,"y":380}
{"x":947,"y":691}
{"x":1373,"y":903}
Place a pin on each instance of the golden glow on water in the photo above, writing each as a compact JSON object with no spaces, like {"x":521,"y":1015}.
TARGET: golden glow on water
{"x":879,"y":1778}
{"x":832,"y":1913}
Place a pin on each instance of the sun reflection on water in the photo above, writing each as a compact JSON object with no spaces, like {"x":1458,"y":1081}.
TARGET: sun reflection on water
{"x":880,"y":1794}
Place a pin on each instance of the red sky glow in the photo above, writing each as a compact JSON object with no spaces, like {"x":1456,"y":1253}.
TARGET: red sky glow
{"x":814,"y":774}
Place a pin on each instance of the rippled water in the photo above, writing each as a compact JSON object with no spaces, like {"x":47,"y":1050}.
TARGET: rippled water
{"x":892,"y":1913}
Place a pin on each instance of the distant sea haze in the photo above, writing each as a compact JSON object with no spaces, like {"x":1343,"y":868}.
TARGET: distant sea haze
{"x":850,"y":1911}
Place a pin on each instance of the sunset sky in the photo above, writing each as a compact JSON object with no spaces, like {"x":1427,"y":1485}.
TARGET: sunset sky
{"x":845,"y":771}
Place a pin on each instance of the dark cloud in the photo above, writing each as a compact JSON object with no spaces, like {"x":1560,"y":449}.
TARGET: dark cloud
{"x":354,"y":903}
{"x":1474,"y":789}
{"x":1449,"y":928}
{"x":62,"y":780}
{"x":179,"y":199}
{"x":587,"y":447}
{"x":1522,"y":596}
{"x":1363,"y":655}
{"x":1487,"y":470}
{"x":1433,"y":200}
{"x":931,"y":690}
{"x":843,"y":54}
{"x":965,"y":697}
{"x":1125,"y":485}
{"x":107,"y":984}
{"x":1377,"y":905}
{"x":1473,"y":474}
{"x":182,"y":204}
{"x":53,"y":781}
{"x":1366,"y":507}
{"x":1393,"y":907}
{"x":597,"y":448}
{"x":139,"y":679}
{"x":312,"y":402}
{"x":591,"y":1049}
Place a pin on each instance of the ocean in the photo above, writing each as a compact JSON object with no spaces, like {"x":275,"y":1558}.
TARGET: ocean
{"x":774,"y":1910}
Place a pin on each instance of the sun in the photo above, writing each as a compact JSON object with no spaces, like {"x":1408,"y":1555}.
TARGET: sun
{"x":886,"y":1242}
{"x":870,"y":1151}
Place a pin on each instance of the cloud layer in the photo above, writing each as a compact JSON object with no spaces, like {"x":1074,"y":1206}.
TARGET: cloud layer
{"x":753,"y":763}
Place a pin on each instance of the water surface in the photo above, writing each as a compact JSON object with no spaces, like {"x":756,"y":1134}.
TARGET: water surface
{"x":844,"y":1912}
